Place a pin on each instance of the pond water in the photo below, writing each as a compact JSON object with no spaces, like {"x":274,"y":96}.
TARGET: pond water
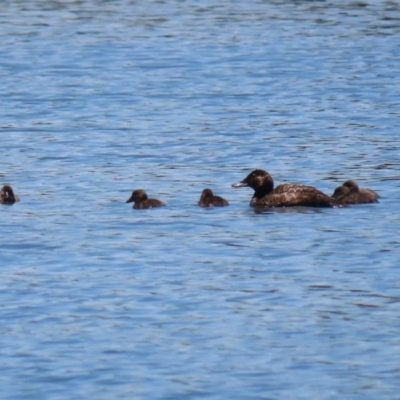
{"x":101,"y":301}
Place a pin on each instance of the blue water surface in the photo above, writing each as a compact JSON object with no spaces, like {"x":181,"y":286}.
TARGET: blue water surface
{"x":99,"y":301}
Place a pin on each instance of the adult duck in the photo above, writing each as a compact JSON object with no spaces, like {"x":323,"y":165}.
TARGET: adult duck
{"x":285,"y":195}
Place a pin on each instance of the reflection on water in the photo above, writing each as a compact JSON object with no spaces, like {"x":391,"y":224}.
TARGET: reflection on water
{"x":102,"y":301}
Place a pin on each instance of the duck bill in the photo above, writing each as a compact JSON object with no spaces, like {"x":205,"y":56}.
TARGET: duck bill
{"x":239,"y":184}
{"x":130,"y":200}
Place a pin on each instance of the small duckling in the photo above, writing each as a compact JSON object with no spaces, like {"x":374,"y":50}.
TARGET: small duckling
{"x":7,"y":195}
{"x":350,"y":193}
{"x":140,"y":200}
{"x":207,"y":199}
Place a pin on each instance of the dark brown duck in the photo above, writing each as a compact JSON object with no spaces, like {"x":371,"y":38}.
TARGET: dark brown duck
{"x":286,"y":195}
{"x":140,"y":200}
{"x":7,"y":195}
{"x":207,"y":199}
{"x":350,"y":193}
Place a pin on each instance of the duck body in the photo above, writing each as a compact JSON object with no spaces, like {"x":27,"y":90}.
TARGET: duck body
{"x":208,"y":199}
{"x":141,"y":201}
{"x":7,"y":195}
{"x":285,"y":195}
{"x":350,"y":193}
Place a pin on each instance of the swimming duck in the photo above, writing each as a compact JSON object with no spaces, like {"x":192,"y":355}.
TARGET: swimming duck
{"x":350,"y":193}
{"x":286,"y":195}
{"x":207,"y":199}
{"x":139,"y":197}
{"x":7,"y":195}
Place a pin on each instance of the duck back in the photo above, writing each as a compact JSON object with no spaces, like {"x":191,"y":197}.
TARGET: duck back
{"x":149,"y":203}
{"x":290,"y":195}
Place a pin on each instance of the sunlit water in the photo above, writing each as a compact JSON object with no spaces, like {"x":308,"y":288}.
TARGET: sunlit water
{"x":100,"y":301}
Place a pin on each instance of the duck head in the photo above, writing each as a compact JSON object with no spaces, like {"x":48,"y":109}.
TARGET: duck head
{"x":137,"y":195}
